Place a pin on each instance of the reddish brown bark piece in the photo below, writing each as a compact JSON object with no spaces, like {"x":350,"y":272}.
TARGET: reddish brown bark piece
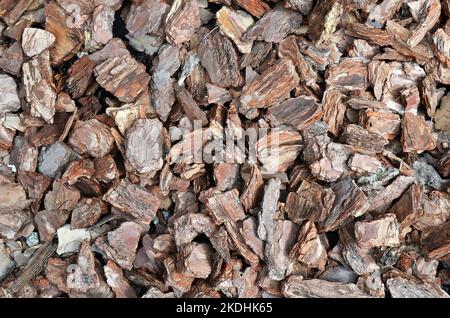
{"x":323,"y":20}
{"x":427,"y":13}
{"x":124,"y":77}
{"x":333,"y":110}
{"x":48,"y":221}
{"x":116,"y":280}
{"x":310,"y":247}
{"x":274,"y":26}
{"x":349,"y":75}
{"x":272,"y":87}
{"x":381,"y":122}
{"x":416,"y":135}
{"x":382,"y":232}
{"x":195,"y":260}
{"x":219,"y":58}
{"x":350,"y":202}
{"x":226,"y":206}
{"x":190,"y":107}
{"x":298,"y":112}
{"x":69,"y":38}
{"x":62,"y":196}
{"x":133,"y":200}
{"x":91,"y":137}
{"x":80,"y":76}
{"x":86,"y":213}
{"x":436,"y":241}
{"x":182,"y":21}
{"x":253,"y":190}
{"x":310,"y":202}
{"x":146,"y":17}
{"x":12,"y":59}
{"x":362,"y":140}
{"x":256,"y":8}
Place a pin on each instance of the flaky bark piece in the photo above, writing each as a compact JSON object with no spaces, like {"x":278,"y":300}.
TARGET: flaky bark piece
{"x":382,"y":122}
{"x":350,"y":202}
{"x":195,"y":260}
{"x":218,"y":56}
{"x":382,"y":200}
{"x":381,"y":232}
{"x":182,"y":21}
{"x":190,"y":107}
{"x":80,"y":76}
{"x":118,"y":283}
{"x":35,"y":41}
{"x":269,"y":206}
{"x":296,"y":287}
{"x":442,"y":116}
{"x":323,"y":20}
{"x":431,"y":95}
{"x":441,"y":46}
{"x":91,"y":137}
{"x":272,"y":87}
{"x":69,"y":37}
{"x":349,"y":75}
{"x":240,"y":244}
{"x":416,"y":134}
{"x":408,"y":287}
{"x":298,"y":112}
{"x":234,"y":23}
{"x":427,"y":13}
{"x":436,"y":241}
{"x":226,"y":206}
{"x":382,"y":12}
{"x":377,"y":36}
{"x":253,"y":190}
{"x":256,"y":8}
{"x":179,"y":282}
{"x":124,"y":77}
{"x":274,"y":26}
{"x":443,"y":165}
{"x":311,"y":202}
{"x":304,"y":6}
{"x":361,"y":140}
{"x":146,"y":17}
{"x":49,"y":221}
{"x":378,"y":73}
{"x":39,"y":87}
{"x":277,"y":251}
{"x":333,"y":108}
{"x":310,"y":247}
{"x":133,"y":200}
{"x":149,"y":158}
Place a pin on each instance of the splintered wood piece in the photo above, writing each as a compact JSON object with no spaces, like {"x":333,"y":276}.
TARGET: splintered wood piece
{"x":241,"y":245}
{"x":146,"y":17}
{"x":218,"y":56}
{"x":116,"y":280}
{"x":361,"y":140}
{"x":190,"y":107}
{"x":381,"y":122}
{"x":234,"y":23}
{"x":405,"y":287}
{"x":253,"y":190}
{"x":378,"y":74}
{"x":148,"y":159}
{"x":69,"y":37}
{"x":35,"y":41}
{"x":9,"y":98}
{"x":323,"y":21}
{"x":179,"y":282}
{"x":350,"y":202}
{"x":39,"y":88}
{"x":333,"y":109}
{"x":133,"y":200}
{"x":441,"y":46}
{"x":349,"y":75}
{"x":382,"y":232}
{"x":49,"y":221}
{"x":195,"y":260}
{"x":274,"y":26}
{"x":296,"y":287}
{"x":80,"y":76}
{"x":124,"y":77}
{"x":298,"y":112}
{"x":288,"y":48}
{"x":256,"y":8}
{"x":431,"y":95}
{"x":372,"y":35}
{"x":427,"y":13}
{"x":91,"y":137}
{"x":277,"y":150}
{"x":226,"y":206}
{"x":310,"y":202}
{"x":182,"y":21}
{"x":416,"y":134}
{"x":436,"y":241}
{"x":310,"y":248}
